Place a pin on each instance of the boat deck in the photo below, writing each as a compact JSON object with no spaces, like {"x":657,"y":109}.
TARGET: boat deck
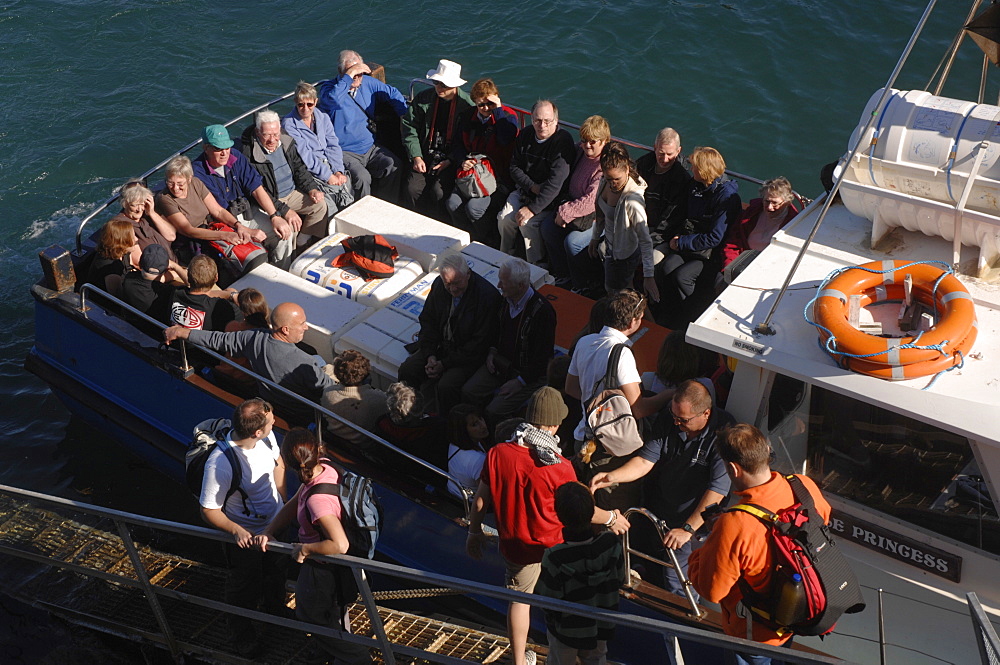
{"x":954,"y":402}
{"x":45,"y":554}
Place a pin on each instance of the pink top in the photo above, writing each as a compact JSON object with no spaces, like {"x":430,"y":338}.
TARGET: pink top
{"x":320,"y":505}
{"x":582,"y":189}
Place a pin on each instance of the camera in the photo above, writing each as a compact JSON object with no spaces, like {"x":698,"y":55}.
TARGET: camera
{"x":372,"y":127}
{"x":239,"y":206}
{"x":435,"y":157}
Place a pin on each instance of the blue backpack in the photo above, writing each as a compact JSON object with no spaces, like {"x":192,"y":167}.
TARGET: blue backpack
{"x":362,"y":510}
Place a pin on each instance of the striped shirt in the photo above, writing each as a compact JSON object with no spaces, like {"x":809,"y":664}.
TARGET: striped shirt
{"x":588,"y":572}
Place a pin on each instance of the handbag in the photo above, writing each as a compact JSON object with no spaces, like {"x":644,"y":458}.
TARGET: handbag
{"x":239,"y":259}
{"x":477,"y":182}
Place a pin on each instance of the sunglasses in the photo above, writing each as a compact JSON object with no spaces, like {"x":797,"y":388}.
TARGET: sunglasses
{"x":683,"y":421}
{"x":305,"y":104}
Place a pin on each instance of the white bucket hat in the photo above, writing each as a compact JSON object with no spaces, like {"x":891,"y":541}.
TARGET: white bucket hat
{"x":449,"y":73}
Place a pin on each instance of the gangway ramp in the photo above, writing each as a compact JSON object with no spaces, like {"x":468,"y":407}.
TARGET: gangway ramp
{"x":82,"y":572}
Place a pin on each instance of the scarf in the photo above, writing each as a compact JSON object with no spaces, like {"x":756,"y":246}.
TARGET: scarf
{"x":545,"y":445}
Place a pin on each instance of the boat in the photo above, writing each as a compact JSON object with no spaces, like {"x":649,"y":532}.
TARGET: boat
{"x":896,"y":460}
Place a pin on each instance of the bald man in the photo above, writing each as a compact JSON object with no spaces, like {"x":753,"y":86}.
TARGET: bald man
{"x":274,"y":355}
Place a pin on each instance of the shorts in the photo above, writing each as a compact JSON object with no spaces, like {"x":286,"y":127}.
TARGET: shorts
{"x":522,"y":577}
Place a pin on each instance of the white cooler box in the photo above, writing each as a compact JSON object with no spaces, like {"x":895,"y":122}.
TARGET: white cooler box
{"x":414,"y":235}
{"x":410,"y":302}
{"x":314,"y":266}
{"x":478,"y":254}
{"x":329,"y":314}
{"x":380,"y":339}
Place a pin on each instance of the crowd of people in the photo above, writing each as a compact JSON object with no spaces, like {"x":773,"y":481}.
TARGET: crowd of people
{"x":481,"y":394}
{"x":498,"y":439}
{"x":598,"y":220}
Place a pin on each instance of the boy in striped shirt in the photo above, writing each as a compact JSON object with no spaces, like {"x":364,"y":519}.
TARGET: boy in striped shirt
{"x":586,"y":569}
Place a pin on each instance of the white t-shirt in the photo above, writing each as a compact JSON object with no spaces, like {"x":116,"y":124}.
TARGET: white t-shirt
{"x":590,"y":362}
{"x":465,"y":465}
{"x":257,"y":464}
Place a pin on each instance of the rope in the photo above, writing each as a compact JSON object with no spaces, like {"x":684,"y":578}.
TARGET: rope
{"x":831,"y":341}
{"x":404,"y":594}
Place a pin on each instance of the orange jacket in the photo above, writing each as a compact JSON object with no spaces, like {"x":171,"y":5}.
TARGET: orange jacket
{"x":738,"y":547}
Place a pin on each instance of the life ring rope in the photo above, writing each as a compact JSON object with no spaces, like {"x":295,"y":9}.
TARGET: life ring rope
{"x":891,"y":353}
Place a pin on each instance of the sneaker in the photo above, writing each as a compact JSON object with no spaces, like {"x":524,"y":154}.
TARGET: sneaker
{"x":530,"y":657}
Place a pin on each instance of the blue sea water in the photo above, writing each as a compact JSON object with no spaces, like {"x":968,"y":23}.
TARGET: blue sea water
{"x":93,"y":92}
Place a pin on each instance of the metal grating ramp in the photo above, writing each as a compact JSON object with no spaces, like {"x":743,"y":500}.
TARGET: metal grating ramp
{"x":34,"y":542}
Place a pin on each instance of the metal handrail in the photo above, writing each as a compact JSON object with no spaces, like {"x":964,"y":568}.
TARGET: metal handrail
{"x":357,"y":565}
{"x":661,"y":531}
{"x":318,"y":409}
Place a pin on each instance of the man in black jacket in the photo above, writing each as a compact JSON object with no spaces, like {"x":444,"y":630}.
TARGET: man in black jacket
{"x":519,"y":356}
{"x":457,"y":326}
{"x":286,"y":178}
{"x":543,"y":156}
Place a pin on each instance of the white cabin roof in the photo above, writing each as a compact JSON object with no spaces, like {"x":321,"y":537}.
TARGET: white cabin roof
{"x":963,"y":401}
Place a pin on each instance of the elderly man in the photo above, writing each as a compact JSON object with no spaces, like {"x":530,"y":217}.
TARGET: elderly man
{"x":516,"y":364}
{"x":667,"y":183}
{"x":457,"y":325}
{"x":543,"y":156}
{"x":350,"y":99}
{"x":520,"y":478}
{"x":285,"y":176}
{"x":274,"y":355}
{"x":428,"y":134}
{"x":683,"y":470}
{"x":233,"y":182}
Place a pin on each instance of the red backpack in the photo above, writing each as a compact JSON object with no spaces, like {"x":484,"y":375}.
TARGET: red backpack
{"x":371,"y":255}
{"x":812,"y":583}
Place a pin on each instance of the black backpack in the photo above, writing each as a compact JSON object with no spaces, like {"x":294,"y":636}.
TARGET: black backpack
{"x":362,"y":510}
{"x":208,"y":434}
{"x":812,"y":584}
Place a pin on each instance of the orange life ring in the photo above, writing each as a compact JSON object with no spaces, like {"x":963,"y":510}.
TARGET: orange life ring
{"x":954,"y":331}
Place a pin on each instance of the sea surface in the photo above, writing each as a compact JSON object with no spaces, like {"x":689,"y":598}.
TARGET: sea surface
{"x":93,"y":92}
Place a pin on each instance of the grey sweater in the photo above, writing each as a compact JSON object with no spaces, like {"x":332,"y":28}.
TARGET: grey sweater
{"x":279,"y":361}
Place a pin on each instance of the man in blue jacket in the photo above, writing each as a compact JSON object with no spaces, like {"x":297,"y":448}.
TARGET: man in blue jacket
{"x":234,"y":183}
{"x":350,"y":101}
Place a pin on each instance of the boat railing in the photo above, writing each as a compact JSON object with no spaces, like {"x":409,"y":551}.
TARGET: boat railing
{"x":155,"y":589}
{"x":318,"y":411}
{"x":986,"y":635}
{"x":661,"y":531}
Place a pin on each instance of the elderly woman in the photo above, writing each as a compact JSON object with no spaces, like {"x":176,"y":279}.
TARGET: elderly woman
{"x":569,"y":233}
{"x":762,"y":218}
{"x":149,"y":226}
{"x":489,"y":128}
{"x":406,"y":425}
{"x":713,"y":203}
{"x":189,"y":208}
{"x":621,"y":218}
{"x":319,"y":147}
